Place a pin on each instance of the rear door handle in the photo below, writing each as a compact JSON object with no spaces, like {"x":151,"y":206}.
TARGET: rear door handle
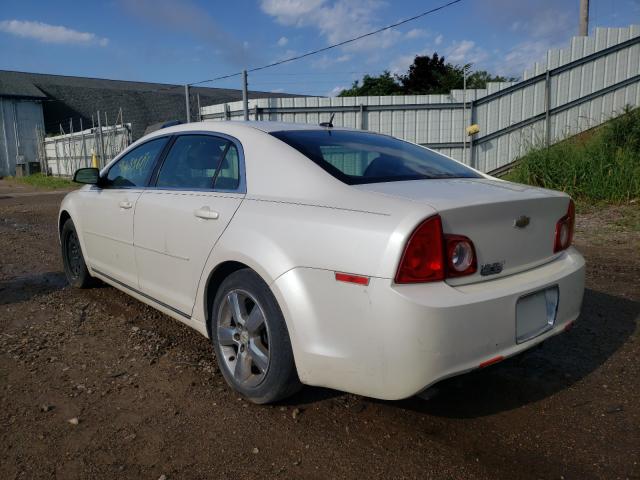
{"x":125,"y":204}
{"x":206,"y":213}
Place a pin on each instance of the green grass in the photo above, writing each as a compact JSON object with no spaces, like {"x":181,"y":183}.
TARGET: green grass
{"x":602,"y":166}
{"x":39,"y":180}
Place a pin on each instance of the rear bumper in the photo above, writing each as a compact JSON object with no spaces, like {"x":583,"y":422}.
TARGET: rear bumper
{"x":391,"y":341}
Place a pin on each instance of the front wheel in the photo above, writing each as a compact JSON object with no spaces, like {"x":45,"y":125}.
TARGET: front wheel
{"x":75,"y":268}
{"x":251,"y":340}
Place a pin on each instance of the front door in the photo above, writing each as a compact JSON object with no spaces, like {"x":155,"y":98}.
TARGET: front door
{"x":107,"y":213}
{"x":198,"y":189}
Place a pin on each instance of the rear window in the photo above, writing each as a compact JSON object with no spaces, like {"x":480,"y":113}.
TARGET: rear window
{"x":361,"y":157}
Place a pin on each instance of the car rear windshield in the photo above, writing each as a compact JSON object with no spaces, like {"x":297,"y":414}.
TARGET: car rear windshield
{"x":361,"y":157}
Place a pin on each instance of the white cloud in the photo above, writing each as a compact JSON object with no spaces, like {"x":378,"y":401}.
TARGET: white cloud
{"x":291,"y":12}
{"x":550,"y":20}
{"x":416,"y":33}
{"x":334,"y":92}
{"x":400,"y":65}
{"x":286,"y":54}
{"x":520,"y":57}
{"x":325,"y":61}
{"x":336,"y":21}
{"x":537,"y":26}
{"x":465,"y":51}
{"x":191,"y":19}
{"x":47,"y":33}
{"x":283,"y":41}
{"x":550,"y":24}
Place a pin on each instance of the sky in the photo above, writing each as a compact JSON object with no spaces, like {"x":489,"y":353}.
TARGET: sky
{"x":186,"y":41}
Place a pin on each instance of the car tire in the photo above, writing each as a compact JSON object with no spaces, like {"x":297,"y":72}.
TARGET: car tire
{"x":75,"y":268}
{"x":252,"y":347}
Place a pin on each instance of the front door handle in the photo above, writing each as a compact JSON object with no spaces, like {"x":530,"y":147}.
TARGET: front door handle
{"x":206,"y":213}
{"x":125,"y":204}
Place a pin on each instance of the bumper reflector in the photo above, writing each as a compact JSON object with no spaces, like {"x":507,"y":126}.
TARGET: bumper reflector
{"x":350,"y":278}
{"x":491,"y":361}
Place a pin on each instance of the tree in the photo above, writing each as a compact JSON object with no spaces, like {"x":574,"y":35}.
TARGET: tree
{"x":479,"y":79}
{"x":426,"y":75}
{"x":385,"y":84}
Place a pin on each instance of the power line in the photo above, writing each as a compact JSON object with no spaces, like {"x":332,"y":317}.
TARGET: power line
{"x":335,"y":45}
{"x":315,"y":74}
{"x":304,"y":82}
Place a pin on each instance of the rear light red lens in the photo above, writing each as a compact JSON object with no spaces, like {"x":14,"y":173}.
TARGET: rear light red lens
{"x":430,"y":255}
{"x":423,"y":257}
{"x":461,"y":256}
{"x":564,"y":229}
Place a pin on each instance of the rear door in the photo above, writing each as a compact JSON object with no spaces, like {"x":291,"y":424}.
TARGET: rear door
{"x":196,"y":191}
{"x":107,"y":213}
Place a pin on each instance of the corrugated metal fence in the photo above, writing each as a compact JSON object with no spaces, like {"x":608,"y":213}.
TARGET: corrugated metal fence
{"x":577,"y":88}
{"x":18,"y":138}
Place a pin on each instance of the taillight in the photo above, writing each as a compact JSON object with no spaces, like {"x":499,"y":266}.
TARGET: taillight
{"x":461,"y":256}
{"x":564,"y":229}
{"x":422,"y":260}
{"x":430,"y":255}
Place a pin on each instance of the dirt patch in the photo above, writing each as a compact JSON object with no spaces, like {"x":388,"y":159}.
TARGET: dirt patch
{"x":149,"y":400}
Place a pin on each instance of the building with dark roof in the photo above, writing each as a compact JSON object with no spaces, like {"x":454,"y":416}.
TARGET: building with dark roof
{"x":30,"y":100}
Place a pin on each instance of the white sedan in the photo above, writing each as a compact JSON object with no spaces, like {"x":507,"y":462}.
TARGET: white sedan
{"x":324,"y":256}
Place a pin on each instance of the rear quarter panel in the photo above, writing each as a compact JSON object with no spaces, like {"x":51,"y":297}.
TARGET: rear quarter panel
{"x":273,"y":237}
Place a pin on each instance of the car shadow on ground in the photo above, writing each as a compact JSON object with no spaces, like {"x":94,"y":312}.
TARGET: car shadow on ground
{"x":310,"y":395}
{"x":25,"y":287}
{"x":603,"y":327}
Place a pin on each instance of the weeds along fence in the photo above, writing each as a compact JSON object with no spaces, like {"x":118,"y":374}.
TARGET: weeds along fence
{"x":63,"y":154}
{"x":575,"y":89}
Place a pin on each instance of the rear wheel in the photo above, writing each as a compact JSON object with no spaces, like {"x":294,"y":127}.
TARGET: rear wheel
{"x":75,"y":268}
{"x":251,"y":340}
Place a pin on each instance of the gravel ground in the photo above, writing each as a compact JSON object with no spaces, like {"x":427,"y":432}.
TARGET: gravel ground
{"x":94,"y":384}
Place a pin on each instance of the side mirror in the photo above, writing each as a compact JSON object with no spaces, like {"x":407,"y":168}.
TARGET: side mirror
{"x":90,"y":176}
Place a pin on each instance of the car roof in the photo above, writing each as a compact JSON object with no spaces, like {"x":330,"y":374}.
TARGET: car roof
{"x":281,"y":126}
{"x":233,"y":126}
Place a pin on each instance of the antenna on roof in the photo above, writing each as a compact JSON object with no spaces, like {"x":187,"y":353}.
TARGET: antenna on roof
{"x":330,"y":122}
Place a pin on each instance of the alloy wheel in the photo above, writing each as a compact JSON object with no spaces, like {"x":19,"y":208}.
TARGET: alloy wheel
{"x":243,"y":336}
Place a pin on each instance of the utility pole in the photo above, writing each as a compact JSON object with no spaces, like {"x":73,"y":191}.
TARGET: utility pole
{"x":584,"y":18}
{"x":187,"y":102}
{"x":465,"y":71}
{"x":245,"y":95}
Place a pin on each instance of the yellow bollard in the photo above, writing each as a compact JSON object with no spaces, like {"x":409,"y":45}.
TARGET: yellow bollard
{"x":94,"y":160}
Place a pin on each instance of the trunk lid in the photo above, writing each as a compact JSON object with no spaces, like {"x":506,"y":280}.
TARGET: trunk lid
{"x":512,"y":226}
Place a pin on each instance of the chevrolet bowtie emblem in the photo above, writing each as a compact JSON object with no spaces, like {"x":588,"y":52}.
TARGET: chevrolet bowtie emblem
{"x":521,"y":222}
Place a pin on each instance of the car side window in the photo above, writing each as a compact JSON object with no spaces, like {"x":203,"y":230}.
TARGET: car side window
{"x":192,"y":162}
{"x":228,"y":177}
{"x":134,"y":168}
